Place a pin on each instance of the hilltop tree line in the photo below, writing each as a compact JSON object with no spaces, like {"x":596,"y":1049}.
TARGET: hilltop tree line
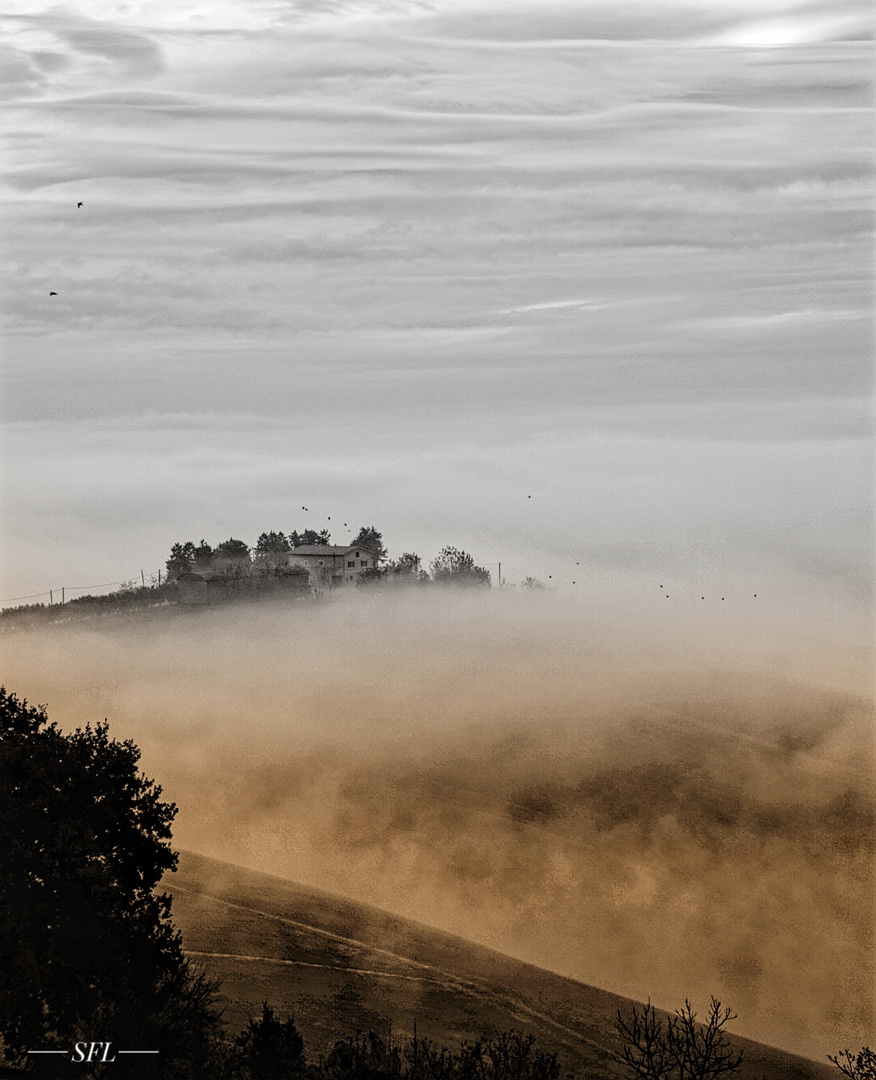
{"x":268,"y":557}
{"x":88,"y":950}
{"x":257,"y":572}
{"x":268,"y":553}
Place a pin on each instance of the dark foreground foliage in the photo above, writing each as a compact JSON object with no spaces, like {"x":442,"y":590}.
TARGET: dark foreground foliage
{"x":270,"y":1049}
{"x":88,"y":951}
{"x":87,"y":947}
{"x":89,"y":954}
{"x":680,"y":1048}
{"x":860,"y":1066}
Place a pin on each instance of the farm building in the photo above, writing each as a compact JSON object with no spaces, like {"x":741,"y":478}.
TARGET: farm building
{"x":330,"y":565}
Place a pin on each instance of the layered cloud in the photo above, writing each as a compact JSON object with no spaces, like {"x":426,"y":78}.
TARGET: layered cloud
{"x":412,"y":230}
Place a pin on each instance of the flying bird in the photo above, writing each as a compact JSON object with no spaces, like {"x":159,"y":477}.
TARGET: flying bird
{"x":53,"y":294}
{"x":303,"y":507}
{"x":79,"y":206}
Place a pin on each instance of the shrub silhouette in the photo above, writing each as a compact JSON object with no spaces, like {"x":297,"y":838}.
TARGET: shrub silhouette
{"x":268,"y":1049}
{"x":680,"y":1049}
{"x":860,"y":1066}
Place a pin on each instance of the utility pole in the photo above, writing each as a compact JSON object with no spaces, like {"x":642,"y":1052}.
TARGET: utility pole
{"x":63,"y":587}
{"x":51,"y":598}
{"x":142,"y":579}
{"x":500,"y":575}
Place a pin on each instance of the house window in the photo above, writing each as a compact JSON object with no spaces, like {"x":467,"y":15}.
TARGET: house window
{"x":351,"y":562}
{"x":364,"y":562}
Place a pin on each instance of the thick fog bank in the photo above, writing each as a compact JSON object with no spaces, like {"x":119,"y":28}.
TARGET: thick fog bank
{"x":662,"y":803}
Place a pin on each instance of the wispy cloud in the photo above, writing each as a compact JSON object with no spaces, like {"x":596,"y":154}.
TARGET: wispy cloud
{"x":551,"y":305}
{"x":442,"y":226}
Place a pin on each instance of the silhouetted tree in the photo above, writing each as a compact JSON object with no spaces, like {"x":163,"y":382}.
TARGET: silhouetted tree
{"x":268,"y":1049}
{"x":309,"y":536}
{"x":403,"y":571}
{"x":680,"y":1049}
{"x":182,"y":557}
{"x":232,"y":549}
{"x":203,"y":555}
{"x":363,"y":1057}
{"x":407,"y":568}
{"x":87,"y":948}
{"x":508,"y":1055}
{"x":270,"y":551}
{"x":860,"y":1066}
{"x":232,"y":560}
{"x":452,"y":566}
{"x":369,"y":537}
{"x":272,"y":542}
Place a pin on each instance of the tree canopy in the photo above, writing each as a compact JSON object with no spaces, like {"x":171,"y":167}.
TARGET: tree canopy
{"x":309,"y":536}
{"x":452,"y":566}
{"x":268,"y":1048}
{"x":232,"y":549}
{"x":370,"y":538}
{"x":88,"y":950}
{"x":233,"y":560}
{"x":182,"y":557}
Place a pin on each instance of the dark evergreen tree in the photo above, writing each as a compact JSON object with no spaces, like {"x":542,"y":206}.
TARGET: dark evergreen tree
{"x":182,"y":557}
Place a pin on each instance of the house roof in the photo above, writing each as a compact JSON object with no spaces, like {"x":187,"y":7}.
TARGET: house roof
{"x":329,"y":549}
{"x":319,"y":549}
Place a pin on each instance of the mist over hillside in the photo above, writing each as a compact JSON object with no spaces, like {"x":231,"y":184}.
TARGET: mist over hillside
{"x":650,"y":803}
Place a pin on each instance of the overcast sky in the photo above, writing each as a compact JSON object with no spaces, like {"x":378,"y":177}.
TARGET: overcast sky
{"x":583,"y":287}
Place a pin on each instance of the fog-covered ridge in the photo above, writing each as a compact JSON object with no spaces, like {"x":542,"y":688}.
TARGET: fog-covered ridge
{"x":634,"y":803}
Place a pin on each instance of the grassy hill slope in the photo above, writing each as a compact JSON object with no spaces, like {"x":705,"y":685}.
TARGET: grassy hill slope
{"x":339,"y":966}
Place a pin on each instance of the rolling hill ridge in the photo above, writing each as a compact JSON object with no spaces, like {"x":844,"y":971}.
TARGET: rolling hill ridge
{"x":339,"y":966}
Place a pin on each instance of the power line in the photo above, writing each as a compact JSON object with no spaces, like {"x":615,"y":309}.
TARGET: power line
{"x":72,"y":588}
{"x":109,"y":584}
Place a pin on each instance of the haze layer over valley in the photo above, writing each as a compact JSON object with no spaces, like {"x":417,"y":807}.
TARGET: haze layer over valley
{"x":623,"y":795}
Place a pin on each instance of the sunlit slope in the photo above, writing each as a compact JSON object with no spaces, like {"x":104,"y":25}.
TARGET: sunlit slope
{"x":339,"y":966}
